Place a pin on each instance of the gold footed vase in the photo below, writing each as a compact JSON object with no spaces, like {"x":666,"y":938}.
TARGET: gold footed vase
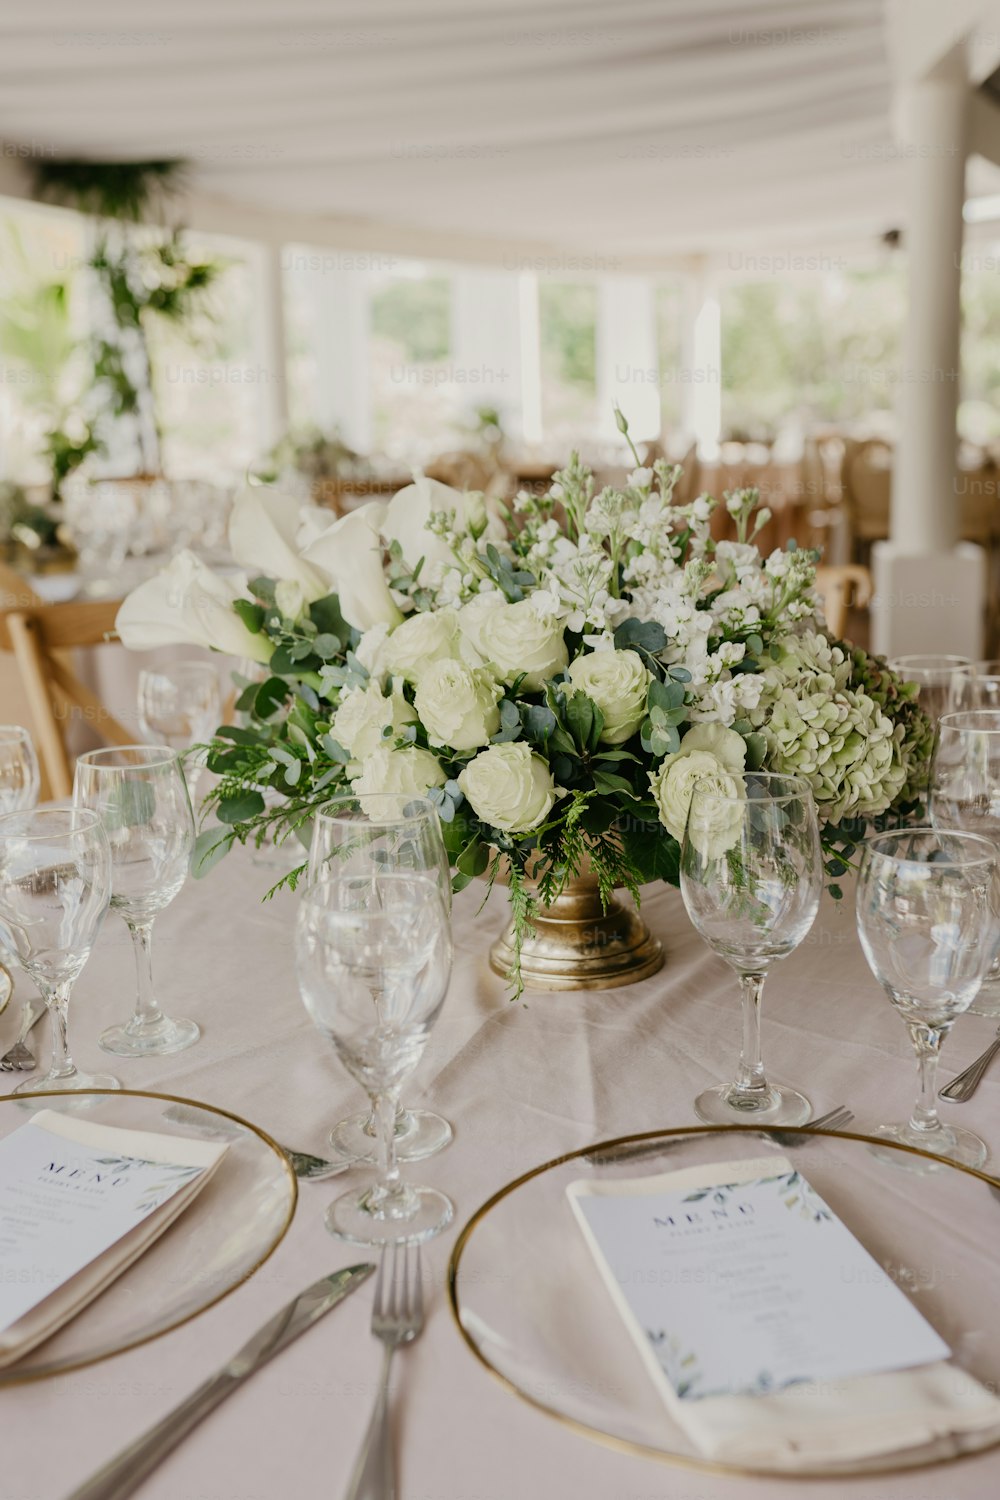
{"x":578,"y":945}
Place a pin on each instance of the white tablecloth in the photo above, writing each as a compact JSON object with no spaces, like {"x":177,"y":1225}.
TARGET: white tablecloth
{"x":521,"y":1083}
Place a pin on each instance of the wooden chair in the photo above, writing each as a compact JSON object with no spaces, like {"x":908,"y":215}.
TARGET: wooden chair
{"x":842,"y":588}
{"x":39,"y":636}
{"x":867,"y":481}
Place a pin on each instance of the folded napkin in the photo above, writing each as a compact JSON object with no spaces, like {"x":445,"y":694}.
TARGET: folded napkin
{"x":807,"y":1425}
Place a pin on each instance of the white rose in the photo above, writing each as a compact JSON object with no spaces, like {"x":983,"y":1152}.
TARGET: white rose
{"x":262,"y":537}
{"x":188,"y":604}
{"x":473,"y":616}
{"x":411,"y":508}
{"x":420,"y":640}
{"x":509,"y":787}
{"x":618,"y":683}
{"x":361,"y":716}
{"x":457,"y":705}
{"x":674,"y":781}
{"x":518,"y":639}
{"x":401,"y":774}
{"x":348,"y":555}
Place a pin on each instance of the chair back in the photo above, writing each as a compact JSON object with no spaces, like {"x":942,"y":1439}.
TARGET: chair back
{"x":867,"y":482}
{"x":39,"y":636}
{"x":841,"y":588}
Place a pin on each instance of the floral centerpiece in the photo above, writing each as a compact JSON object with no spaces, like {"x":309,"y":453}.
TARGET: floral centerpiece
{"x":555,"y":675}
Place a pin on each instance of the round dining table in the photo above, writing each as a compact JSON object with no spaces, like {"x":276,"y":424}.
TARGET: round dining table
{"x":521,"y":1082}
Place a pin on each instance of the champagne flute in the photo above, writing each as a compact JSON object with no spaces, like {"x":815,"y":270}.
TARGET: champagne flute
{"x":19,"y":775}
{"x":928,"y":924}
{"x":751,"y":879}
{"x":965,"y":796}
{"x":388,"y":832}
{"x":179,"y":705}
{"x":142,"y":798}
{"x":55,"y":884}
{"x":373,"y":956}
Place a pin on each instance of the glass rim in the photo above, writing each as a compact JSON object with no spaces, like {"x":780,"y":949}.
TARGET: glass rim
{"x":14,"y":732}
{"x":87,"y":816}
{"x":928,"y":662}
{"x":952,"y":720}
{"x":791,"y":796}
{"x":179,"y":667}
{"x":313,"y":889}
{"x":149,"y":759}
{"x":328,"y":814}
{"x":989,"y":856}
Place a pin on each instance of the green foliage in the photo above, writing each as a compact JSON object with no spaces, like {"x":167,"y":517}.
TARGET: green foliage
{"x":568,"y":321}
{"x":416,"y":316}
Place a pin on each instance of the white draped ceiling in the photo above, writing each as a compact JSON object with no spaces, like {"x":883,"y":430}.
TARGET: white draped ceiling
{"x":635,"y":131}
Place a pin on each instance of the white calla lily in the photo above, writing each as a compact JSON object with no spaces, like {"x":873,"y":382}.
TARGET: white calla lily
{"x":188,"y":604}
{"x":348,"y":554}
{"x":262,"y":537}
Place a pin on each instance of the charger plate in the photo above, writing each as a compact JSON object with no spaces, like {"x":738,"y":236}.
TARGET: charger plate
{"x":228,"y":1231}
{"x":529,"y":1303}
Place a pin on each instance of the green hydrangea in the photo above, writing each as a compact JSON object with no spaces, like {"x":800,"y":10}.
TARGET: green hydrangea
{"x":898,"y":701}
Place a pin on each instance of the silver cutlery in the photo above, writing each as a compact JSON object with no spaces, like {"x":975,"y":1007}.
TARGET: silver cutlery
{"x":397,"y":1318}
{"x":136,"y":1462}
{"x":307,"y":1168}
{"x":964,"y":1084}
{"x":834,"y":1119}
{"x":18,"y":1059}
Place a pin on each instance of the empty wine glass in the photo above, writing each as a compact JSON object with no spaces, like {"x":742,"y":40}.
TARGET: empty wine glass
{"x":980,"y":686}
{"x":19,"y":777}
{"x":142,"y":798}
{"x":928,"y":924}
{"x":389,"y":833}
{"x":179,"y":705}
{"x":941,"y":680}
{"x":55,"y":884}
{"x":965,"y":795}
{"x":751,"y":879}
{"x":374,"y":957}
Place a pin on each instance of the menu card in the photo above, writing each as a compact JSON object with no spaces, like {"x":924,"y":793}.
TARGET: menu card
{"x":740,"y":1281}
{"x":79,"y":1201}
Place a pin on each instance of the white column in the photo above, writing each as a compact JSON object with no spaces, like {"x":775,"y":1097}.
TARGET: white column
{"x":627,"y":357}
{"x":531,"y":357}
{"x":486,"y":341}
{"x":700,"y":374}
{"x":929,"y":592}
{"x":336,"y":293}
{"x":270,"y":346}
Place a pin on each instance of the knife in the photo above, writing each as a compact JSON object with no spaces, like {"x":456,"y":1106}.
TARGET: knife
{"x":136,"y":1462}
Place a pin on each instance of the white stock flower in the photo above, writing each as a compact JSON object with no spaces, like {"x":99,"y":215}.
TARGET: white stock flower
{"x":348,"y":554}
{"x":516,"y":639}
{"x":420,"y":640}
{"x":263,"y":528}
{"x":457,"y":705}
{"x":188,"y":604}
{"x":361,"y":716}
{"x":618,"y":683}
{"x":401,"y":774}
{"x":509,"y":787}
{"x":710,"y":753}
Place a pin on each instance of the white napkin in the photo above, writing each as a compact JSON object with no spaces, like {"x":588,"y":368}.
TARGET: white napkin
{"x":807,"y":1425}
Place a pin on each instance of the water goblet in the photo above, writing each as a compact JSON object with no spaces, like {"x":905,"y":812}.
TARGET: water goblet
{"x":751,"y":879}
{"x":55,"y":885}
{"x":928,"y":923}
{"x":373,"y":956}
{"x":19,"y":775}
{"x":389,"y":832}
{"x":179,"y":705}
{"x":142,"y":798}
{"x":941,"y":680}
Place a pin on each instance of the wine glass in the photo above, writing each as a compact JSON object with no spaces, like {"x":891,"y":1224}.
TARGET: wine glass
{"x":751,"y":879}
{"x":55,"y":884}
{"x":142,"y":798}
{"x":373,"y":955}
{"x":19,"y":776}
{"x":179,"y":705}
{"x":965,"y":795}
{"x":388,"y":833}
{"x":928,"y":923}
{"x":980,"y":686}
{"x":941,"y":680}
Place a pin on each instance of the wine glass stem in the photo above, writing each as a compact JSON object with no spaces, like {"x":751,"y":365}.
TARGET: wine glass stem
{"x":384,"y":1109}
{"x":927,"y":1042}
{"x":750,"y":1080}
{"x":147,"y":1012}
{"x":56,"y":999}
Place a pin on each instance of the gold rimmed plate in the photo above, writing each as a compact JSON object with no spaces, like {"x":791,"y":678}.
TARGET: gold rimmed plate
{"x":230,"y":1229}
{"x":531,"y":1307}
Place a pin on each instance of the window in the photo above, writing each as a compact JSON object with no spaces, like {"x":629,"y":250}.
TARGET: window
{"x":419,"y":396}
{"x":567,"y":316}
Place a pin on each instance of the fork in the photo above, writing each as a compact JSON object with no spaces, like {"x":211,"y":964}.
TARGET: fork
{"x":833,"y":1120}
{"x":18,"y":1058}
{"x":397,"y":1318}
{"x":964,"y":1084}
